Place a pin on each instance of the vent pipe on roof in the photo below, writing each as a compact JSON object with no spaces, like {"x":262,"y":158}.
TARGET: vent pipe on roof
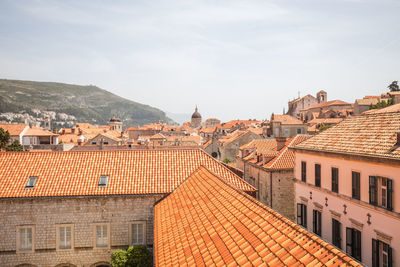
{"x":398,"y":138}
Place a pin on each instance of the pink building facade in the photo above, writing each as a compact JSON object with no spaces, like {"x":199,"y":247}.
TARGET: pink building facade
{"x":347,"y":187}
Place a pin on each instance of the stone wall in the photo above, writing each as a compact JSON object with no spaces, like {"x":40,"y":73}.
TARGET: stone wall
{"x":83,"y":213}
{"x":282,"y":188}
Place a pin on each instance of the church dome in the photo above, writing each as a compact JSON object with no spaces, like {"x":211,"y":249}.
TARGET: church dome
{"x":196,"y":114}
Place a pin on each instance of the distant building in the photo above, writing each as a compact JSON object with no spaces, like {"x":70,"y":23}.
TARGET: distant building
{"x":285,"y":126}
{"x":196,"y":119}
{"x":212,"y":122}
{"x":300,"y":103}
{"x":347,"y":187}
{"x":330,"y":107}
{"x":268,"y":165}
{"x":115,"y":124}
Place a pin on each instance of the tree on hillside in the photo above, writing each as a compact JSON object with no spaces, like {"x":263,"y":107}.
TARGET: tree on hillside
{"x":5,"y":138}
{"x":394,"y":86}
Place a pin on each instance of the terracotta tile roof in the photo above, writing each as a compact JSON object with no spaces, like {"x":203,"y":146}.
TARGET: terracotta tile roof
{"x":285,"y":159}
{"x":286,"y":119}
{"x":261,"y":145}
{"x":130,"y":171}
{"x":208,"y":130}
{"x":207,"y":222}
{"x":38,"y":131}
{"x":392,"y":108}
{"x":131,"y":129}
{"x":327,"y":104}
{"x":325,"y":121}
{"x":367,"y":101}
{"x":13,"y":129}
{"x":158,"y":136}
{"x":232,"y":123}
{"x":368,"y":135}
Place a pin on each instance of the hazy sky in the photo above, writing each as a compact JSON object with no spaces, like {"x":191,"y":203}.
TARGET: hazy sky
{"x":234,"y":59}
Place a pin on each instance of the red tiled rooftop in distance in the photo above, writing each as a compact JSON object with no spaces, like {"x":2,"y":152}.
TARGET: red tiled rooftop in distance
{"x":206,"y":221}
{"x":13,"y":129}
{"x":286,"y":119}
{"x":131,"y":172}
{"x":392,"y":108}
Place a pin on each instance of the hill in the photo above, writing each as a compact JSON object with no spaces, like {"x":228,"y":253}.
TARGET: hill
{"x":85,"y":103}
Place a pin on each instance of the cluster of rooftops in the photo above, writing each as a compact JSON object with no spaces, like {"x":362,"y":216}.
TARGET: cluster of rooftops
{"x":215,"y":219}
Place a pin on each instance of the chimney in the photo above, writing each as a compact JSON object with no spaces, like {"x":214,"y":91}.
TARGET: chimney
{"x":63,"y":131}
{"x":101,"y":143}
{"x":398,"y":138}
{"x":280,"y":143}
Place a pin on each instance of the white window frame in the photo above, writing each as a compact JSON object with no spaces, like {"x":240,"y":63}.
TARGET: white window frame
{"x":107,"y":225}
{"x":18,"y":235}
{"x":131,"y":241}
{"x":58,"y":227}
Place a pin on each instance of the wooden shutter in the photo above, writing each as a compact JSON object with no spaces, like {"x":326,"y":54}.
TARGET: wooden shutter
{"x":299,"y":211}
{"x":349,"y":241}
{"x":390,"y":260}
{"x":305,"y":216}
{"x":373,"y":190}
{"x":375,"y":253}
{"x":389,"y":194}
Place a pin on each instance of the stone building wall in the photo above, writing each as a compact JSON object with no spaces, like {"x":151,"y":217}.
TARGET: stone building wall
{"x":282,"y":188}
{"x":83,"y":213}
{"x":230,"y":150}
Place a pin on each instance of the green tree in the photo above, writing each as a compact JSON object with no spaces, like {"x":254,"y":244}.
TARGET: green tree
{"x":4,"y":138}
{"x":226,"y":160}
{"x":394,"y":86}
{"x":134,"y":256}
{"x":15,"y":146}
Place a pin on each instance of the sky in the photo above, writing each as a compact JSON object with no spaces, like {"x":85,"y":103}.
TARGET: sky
{"x":235,"y":59}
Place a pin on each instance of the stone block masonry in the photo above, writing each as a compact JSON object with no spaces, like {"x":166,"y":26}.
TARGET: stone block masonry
{"x":83,"y":213}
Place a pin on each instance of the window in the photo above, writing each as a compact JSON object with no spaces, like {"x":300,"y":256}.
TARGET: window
{"x":138,"y":233}
{"x":381,"y":254}
{"x":335,"y":180}
{"x":317,"y":222}
{"x":105,"y":143}
{"x":355,"y":181}
{"x":303,"y":171}
{"x":302,"y":215}
{"x":25,"y":239}
{"x":380,"y":192}
{"x":101,"y":235}
{"x":318,"y":175}
{"x":103,"y":181}
{"x":65,"y":237}
{"x":337,"y":233}
{"x":299,"y":131}
{"x":353,"y":243}
{"x":31,"y":182}
{"x":93,"y":143}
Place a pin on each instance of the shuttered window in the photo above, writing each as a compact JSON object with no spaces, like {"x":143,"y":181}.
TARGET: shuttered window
{"x":353,"y":243}
{"x":303,"y":171}
{"x":335,"y":180}
{"x":302,"y":215}
{"x":318,"y":175}
{"x":317,"y":222}
{"x":355,"y":182}
{"x":381,"y":254}
{"x":337,"y":233}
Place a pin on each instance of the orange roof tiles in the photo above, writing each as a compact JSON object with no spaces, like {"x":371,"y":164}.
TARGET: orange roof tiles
{"x":286,"y":119}
{"x":207,"y":222}
{"x":130,"y":172}
{"x":261,"y":145}
{"x":13,"y":129}
{"x":285,"y":159}
{"x":368,"y":135}
{"x":392,"y":108}
{"x":38,"y":131}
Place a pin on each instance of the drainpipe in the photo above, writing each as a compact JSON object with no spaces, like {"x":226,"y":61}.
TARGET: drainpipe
{"x":270,"y":188}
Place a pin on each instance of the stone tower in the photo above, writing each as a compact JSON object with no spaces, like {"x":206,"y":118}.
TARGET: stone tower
{"x":115,"y":124}
{"x":196,"y":119}
{"x":322,"y":96}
